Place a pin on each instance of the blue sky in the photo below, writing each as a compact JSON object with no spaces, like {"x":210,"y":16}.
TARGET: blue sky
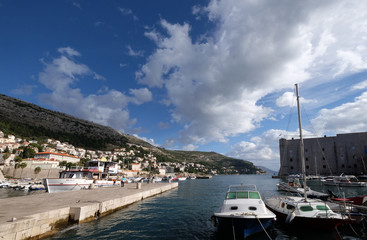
{"x":212,"y":75}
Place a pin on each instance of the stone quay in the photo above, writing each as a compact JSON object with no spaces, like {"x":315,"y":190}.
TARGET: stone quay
{"x":39,"y":215}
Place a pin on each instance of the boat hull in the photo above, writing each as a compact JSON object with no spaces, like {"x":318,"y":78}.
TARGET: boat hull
{"x":298,"y":222}
{"x":66,"y":184}
{"x":242,"y":227}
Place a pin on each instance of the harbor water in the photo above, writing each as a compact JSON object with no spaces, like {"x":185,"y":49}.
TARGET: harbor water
{"x":185,"y":213}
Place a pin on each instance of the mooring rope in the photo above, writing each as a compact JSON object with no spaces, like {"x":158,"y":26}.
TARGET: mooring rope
{"x":263,"y":228}
{"x":234,"y":233}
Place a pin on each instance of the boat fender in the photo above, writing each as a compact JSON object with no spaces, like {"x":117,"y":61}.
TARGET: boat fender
{"x":214,"y":221}
{"x":290,"y":217}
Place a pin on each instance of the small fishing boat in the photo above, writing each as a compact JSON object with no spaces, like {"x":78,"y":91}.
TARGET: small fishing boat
{"x":181,"y":178}
{"x":346,"y":181}
{"x":358,"y":200}
{"x":243,"y":212}
{"x":294,"y":186}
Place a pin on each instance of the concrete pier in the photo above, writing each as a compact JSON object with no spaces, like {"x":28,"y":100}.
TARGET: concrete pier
{"x":39,"y":215}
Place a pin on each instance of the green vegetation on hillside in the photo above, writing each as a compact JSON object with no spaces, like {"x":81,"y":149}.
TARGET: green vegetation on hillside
{"x":32,"y":122}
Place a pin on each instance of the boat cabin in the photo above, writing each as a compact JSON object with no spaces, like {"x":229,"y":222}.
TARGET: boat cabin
{"x":242,"y":194}
{"x":77,"y":173}
{"x":103,"y":166}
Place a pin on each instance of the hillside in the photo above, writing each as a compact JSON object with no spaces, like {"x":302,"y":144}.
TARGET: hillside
{"x":30,"y":121}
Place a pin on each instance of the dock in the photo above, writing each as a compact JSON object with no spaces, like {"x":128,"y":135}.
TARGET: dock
{"x":39,"y":215}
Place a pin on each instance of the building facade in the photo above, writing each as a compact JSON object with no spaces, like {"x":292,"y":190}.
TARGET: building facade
{"x":57,"y":156}
{"x":343,"y":153}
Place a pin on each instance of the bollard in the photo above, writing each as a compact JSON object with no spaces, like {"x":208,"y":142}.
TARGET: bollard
{"x":138,"y":185}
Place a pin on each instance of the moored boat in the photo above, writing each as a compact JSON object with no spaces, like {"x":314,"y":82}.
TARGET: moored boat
{"x":305,"y":213}
{"x":96,"y":174}
{"x":345,"y":181}
{"x":243,"y":212}
{"x":302,"y":212}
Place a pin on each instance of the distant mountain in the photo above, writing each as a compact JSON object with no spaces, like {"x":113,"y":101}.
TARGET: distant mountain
{"x":269,"y":171}
{"x":30,"y":121}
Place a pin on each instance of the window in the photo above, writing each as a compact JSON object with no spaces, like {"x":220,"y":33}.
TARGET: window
{"x":254,"y":195}
{"x":343,"y":166}
{"x":291,"y":167}
{"x":306,"y":208}
{"x":252,"y":208}
{"x":290,"y":207}
{"x":242,"y":195}
{"x":291,"y":159}
{"x":322,"y":208}
{"x":307,"y":167}
{"x":323,"y":166}
{"x":306,"y":159}
{"x":234,"y":208}
{"x":231,"y":195}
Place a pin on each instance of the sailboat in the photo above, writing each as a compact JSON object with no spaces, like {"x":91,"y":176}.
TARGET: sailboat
{"x":303,"y":212}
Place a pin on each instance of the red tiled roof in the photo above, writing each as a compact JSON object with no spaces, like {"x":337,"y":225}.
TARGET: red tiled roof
{"x":60,"y":154}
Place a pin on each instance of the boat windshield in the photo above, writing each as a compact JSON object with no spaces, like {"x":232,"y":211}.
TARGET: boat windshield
{"x":245,"y":194}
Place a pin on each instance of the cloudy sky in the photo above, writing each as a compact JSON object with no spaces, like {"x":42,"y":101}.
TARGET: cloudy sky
{"x":213,"y":75}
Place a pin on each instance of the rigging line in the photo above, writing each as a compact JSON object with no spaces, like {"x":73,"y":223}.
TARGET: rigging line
{"x":263,"y":228}
{"x":290,"y":114}
{"x":318,"y":142}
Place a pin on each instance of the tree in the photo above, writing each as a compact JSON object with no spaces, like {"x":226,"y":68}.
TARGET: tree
{"x":28,"y":152}
{"x":6,"y":150}
{"x":17,"y":161}
{"x":37,"y":170}
{"x":22,"y":166}
{"x":83,"y":161}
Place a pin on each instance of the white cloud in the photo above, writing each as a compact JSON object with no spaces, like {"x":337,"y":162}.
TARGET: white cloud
{"x":134,"y":53}
{"x":141,"y":95}
{"x":148,"y":140}
{"x":190,"y":147}
{"x":127,"y":12}
{"x":264,"y":150}
{"x":24,"y":90}
{"x":108,"y":107}
{"x":258,"y":48}
{"x":348,"y":117}
{"x":288,"y":99}
{"x":360,"y":85}
{"x":68,"y":51}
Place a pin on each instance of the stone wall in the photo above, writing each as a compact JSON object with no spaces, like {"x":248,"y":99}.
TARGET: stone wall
{"x":29,"y":173}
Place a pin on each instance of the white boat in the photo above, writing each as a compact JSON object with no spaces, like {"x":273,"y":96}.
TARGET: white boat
{"x":294,"y":186}
{"x":71,"y":180}
{"x":157,"y":179}
{"x":181,"y":178}
{"x":243,"y":212}
{"x":345,"y":181}
{"x":302,"y":212}
{"x":96,"y":174}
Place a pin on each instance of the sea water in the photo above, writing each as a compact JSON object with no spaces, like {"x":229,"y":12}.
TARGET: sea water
{"x":185,"y":213}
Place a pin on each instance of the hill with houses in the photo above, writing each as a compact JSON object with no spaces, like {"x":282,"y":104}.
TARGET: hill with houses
{"x":50,"y":131}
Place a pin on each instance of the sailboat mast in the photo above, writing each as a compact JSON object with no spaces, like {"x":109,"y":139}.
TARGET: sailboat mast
{"x":301,"y":145}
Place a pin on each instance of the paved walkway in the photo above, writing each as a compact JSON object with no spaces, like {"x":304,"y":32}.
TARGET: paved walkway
{"x":19,"y":207}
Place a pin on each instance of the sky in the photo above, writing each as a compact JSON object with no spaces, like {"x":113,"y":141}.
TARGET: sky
{"x":213,"y":75}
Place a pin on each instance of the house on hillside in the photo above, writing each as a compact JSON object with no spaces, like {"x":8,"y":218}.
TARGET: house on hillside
{"x":57,"y":156}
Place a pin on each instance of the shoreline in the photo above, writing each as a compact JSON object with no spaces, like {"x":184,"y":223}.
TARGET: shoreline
{"x":41,"y":215}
